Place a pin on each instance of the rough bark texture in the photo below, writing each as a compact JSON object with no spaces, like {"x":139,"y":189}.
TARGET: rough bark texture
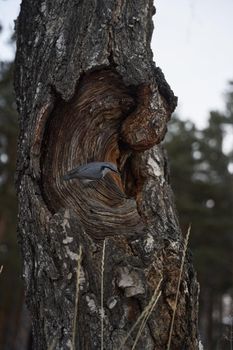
{"x":87,"y":89}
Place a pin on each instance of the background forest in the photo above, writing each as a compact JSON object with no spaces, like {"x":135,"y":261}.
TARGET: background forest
{"x":202,"y":179}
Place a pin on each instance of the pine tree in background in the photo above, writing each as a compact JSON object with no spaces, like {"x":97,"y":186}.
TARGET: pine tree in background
{"x":203,"y":187}
{"x":11,"y":294}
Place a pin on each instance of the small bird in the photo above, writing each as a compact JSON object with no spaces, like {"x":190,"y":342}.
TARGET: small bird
{"x":91,"y":171}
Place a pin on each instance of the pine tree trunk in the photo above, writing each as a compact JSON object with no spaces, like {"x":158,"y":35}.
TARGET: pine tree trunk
{"x":88,"y":90}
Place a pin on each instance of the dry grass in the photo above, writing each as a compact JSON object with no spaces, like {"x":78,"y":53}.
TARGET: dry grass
{"x":102,"y":297}
{"x":178,"y":287}
{"x":144,"y":321}
{"x":79,"y":259}
{"x":1,"y":268}
{"x":147,"y":311}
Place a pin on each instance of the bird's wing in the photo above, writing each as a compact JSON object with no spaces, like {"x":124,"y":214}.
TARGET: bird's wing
{"x":79,"y":169}
{"x":85,"y":169}
{"x":73,"y":171}
{"x":82,"y":168}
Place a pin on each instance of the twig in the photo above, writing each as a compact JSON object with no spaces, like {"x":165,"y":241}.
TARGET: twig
{"x":1,"y":268}
{"x":77,"y":296}
{"x":178,"y":287}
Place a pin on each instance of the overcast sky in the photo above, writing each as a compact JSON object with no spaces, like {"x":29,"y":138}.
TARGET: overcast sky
{"x":192,"y":43}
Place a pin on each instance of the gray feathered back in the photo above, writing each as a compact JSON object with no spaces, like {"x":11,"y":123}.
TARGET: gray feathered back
{"x":91,"y":171}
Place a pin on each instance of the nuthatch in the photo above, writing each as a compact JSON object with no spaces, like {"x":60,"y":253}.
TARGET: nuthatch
{"x":91,"y":171}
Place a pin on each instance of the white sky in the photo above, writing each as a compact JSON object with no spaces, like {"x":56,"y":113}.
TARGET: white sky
{"x":191,"y":43}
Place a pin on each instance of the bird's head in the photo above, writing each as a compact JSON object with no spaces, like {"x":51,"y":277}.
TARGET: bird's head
{"x":107,"y":167}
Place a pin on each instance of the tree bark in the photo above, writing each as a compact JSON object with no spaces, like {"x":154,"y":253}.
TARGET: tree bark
{"x":88,"y":90}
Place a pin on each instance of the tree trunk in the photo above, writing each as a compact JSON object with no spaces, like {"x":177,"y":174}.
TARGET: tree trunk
{"x":88,"y":90}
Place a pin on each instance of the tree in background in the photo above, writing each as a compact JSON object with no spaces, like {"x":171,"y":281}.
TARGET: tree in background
{"x":14,"y":321}
{"x":10,"y":281}
{"x":203,"y":186}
